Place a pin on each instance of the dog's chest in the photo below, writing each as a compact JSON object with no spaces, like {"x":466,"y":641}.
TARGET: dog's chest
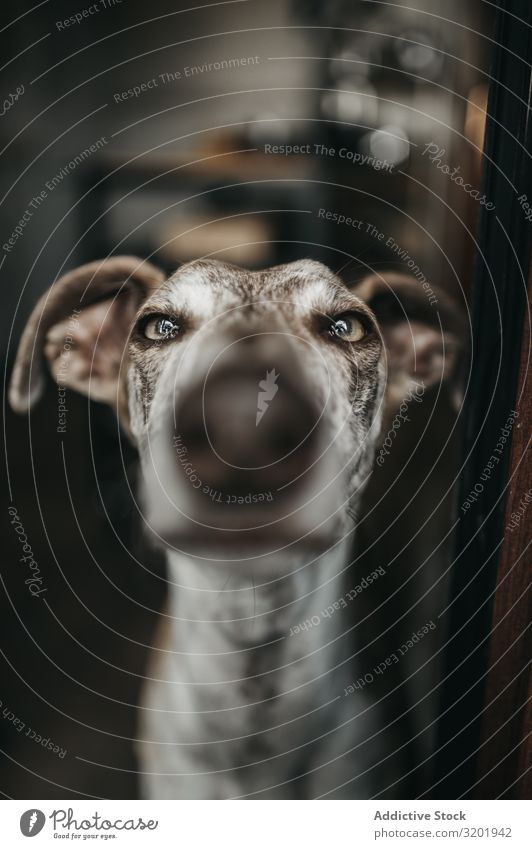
{"x":230,"y":688}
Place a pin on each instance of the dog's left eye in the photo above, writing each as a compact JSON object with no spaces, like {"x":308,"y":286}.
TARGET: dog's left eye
{"x":347,"y":327}
{"x":160,"y":327}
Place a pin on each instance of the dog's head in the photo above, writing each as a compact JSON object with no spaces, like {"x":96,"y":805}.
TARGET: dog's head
{"x":254,"y":398}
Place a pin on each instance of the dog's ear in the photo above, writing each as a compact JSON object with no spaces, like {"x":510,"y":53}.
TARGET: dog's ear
{"x":80,"y":328}
{"x":424,"y":333}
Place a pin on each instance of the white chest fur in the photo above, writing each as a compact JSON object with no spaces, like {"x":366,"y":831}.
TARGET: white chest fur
{"x":235,"y":703}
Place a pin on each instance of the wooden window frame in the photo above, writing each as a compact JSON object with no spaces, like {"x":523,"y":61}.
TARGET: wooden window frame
{"x":483,"y":740}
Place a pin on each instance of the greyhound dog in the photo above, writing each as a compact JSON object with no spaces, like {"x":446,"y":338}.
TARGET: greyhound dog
{"x":255,"y":401}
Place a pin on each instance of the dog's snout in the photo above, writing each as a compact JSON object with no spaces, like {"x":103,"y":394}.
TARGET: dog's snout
{"x":249,"y":428}
{"x":245,"y":420}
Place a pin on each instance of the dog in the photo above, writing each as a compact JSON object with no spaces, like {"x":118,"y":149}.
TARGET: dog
{"x":256,"y":401}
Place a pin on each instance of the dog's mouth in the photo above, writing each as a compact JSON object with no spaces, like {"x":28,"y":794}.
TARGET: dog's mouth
{"x":238,"y":529}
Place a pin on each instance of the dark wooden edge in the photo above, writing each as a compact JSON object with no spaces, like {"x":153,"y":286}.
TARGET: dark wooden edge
{"x":505,"y":757}
{"x":498,"y":310}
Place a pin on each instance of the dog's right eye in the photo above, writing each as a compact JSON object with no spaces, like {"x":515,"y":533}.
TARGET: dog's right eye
{"x":159,"y":328}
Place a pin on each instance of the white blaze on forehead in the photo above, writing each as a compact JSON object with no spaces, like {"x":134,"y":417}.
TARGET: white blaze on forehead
{"x":305,"y":285}
{"x":195,"y":295}
{"x":312,"y":295}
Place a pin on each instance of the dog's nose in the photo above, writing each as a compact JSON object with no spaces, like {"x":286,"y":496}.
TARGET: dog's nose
{"x":248,"y":427}
{"x":247,"y":430}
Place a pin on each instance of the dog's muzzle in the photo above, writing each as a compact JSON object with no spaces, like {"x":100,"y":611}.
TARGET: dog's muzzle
{"x":242,"y":462}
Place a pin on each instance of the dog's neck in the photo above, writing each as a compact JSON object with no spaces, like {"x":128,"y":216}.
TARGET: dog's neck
{"x":211,"y":602}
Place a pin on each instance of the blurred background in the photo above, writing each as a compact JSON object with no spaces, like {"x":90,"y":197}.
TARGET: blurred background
{"x":152,"y":130}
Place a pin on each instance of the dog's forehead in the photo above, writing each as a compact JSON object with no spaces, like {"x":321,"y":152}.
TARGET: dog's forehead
{"x":205,"y":284}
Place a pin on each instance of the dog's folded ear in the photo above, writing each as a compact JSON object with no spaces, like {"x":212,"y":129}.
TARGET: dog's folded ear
{"x":80,"y":327}
{"x":424,"y":332}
